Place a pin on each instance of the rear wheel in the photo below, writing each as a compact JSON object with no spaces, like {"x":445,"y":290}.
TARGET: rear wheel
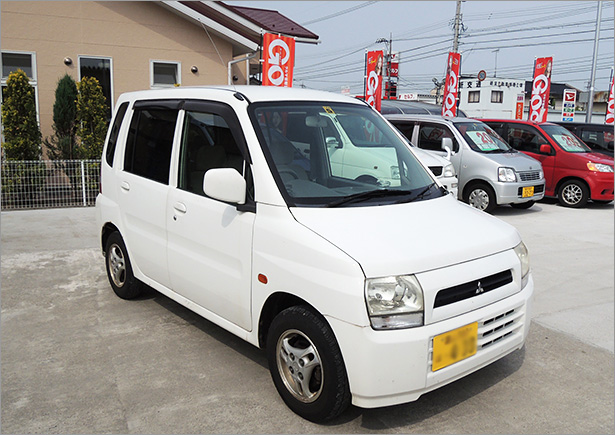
{"x":573,"y":193}
{"x":480,"y":196}
{"x":119,"y":269}
{"x":306,"y":365}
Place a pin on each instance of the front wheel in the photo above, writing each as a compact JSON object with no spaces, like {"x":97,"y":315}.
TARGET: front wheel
{"x":306,"y":365}
{"x":573,"y":193}
{"x":481,"y":196}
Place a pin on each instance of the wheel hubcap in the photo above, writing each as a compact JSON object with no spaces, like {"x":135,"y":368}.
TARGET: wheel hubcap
{"x":572,"y":194}
{"x":299,"y":365}
{"x":479,"y":199}
{"x":117,"y":265}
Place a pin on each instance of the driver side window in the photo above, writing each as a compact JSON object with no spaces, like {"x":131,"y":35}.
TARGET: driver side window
{"x":431,"y":135}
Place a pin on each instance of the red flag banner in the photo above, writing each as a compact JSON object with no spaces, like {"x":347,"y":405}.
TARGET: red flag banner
{"x":610,"y":109}
{"x":373,"y":84}
{"x":279,"y":53}
{"x":451,"y":85}
{"x":539,"y":102}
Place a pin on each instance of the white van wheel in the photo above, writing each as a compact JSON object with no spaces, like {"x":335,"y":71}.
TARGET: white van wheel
{"x":119,"y":269}
{"x":306,"y":364}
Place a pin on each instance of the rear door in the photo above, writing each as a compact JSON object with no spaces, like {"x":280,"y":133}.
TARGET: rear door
{"x":144,"y":186}
{"x":209,"y":241}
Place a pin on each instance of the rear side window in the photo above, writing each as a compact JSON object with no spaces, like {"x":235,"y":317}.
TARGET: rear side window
{"x":115,"y":130}
{"x":150,"y":142}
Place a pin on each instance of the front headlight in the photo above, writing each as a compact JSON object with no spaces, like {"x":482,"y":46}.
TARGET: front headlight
{"x":599,"y":167}
{"x":507,"y":175}
{"x":524,"y":258}
{"x":448,"y":171}
{"x":394,"y":302}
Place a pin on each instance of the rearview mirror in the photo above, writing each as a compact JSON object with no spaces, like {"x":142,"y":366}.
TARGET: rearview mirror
{"x":225,"y":184}
{"x":447,"y":145}
{"x":545,"y":149}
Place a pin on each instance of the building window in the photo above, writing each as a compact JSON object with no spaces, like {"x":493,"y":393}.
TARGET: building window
{"x":474,"y":97}
{"x":100,"y":68}
{"x":497,"y":96}
{"x":25,"y":61}
{"x":165,"y":74}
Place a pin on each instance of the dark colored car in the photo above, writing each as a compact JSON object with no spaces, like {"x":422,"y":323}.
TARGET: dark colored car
{"x":573,"y":172}
{"x":599,"y":137}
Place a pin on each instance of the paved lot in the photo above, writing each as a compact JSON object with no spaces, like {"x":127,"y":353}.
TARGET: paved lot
{"x":77,"y":359}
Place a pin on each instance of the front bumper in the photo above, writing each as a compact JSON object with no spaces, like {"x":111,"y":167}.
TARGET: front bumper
{"x":601,"y":186}
{"x":392,"y":367}
{"x":511,"y":193}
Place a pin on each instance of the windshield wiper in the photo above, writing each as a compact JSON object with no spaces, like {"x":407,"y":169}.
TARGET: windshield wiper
{"x":370,"y":194}
{"x":419,"y":195}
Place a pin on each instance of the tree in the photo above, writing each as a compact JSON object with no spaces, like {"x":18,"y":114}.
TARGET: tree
{"x":61,"y":144}
{"x":91,"y":118}
{"x":22,"y":135}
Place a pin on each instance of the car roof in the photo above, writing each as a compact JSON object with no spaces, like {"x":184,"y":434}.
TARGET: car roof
{"x":251,"y":93}
{"x":426,"y":118}
{"x":412,"y":107}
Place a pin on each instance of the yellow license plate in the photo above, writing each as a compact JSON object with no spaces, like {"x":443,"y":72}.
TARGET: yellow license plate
{"x":453,"y":346}
{"x":528,"y":192}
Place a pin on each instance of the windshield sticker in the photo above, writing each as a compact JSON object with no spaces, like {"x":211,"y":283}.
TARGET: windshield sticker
{"x":569,"y":143}
{"x":483,"y":140}
{"x":328,"y":110}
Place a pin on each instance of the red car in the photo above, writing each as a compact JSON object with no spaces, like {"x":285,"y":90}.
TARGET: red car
{"x":573,"y":172}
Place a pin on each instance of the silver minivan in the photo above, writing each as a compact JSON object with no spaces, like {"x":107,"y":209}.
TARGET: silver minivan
{"x":490,"y":172}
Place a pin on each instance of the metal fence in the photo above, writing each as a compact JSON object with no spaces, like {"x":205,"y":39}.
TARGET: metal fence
{"x":49,"y":183}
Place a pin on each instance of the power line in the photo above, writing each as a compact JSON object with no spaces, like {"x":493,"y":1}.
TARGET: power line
{"x":337,"y":14}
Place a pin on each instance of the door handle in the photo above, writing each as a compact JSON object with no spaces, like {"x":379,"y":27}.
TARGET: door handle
{"x":125,"y":186}
{"x":180,"y":207}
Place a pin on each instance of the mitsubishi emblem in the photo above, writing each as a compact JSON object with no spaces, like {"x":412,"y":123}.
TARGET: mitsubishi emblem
{"x":480,"y":289}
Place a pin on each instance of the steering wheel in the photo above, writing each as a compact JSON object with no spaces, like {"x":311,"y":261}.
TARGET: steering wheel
{"x":289,"y":172}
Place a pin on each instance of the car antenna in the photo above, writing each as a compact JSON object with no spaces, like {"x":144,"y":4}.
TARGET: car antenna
{"x":219,"y":56}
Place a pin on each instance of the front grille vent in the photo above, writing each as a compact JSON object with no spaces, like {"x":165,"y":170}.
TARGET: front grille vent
{"x":537,"y":189}
{"x":473,"y":288}
{"x":529,"y":175}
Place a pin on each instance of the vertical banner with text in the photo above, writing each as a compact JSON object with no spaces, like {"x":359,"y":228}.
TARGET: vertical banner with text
{"x":610,"y":110}
{"x":568,"y":105}
{"x":373,"y":81}
{"x":451,"y":85}
{"x":539,"y":101}
{"x":519,"y":107}
{"x":279,"y":60}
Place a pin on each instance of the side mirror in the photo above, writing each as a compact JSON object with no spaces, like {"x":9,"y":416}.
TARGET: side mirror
{"x":545,"y":149}
{"x":225,"y":184}
{"x":333,"y":143}
{"x":447,"y":145}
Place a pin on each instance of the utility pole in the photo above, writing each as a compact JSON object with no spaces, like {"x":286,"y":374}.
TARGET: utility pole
{"x":590,"y":104}
{"x":457,"y":27}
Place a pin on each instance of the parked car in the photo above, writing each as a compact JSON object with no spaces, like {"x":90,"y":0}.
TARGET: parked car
{"x":359,"y":293}
{"x":398,"y":107}
{"x":599,"y":137}
{"x":574,"y":173}
{"x":490,"y":172}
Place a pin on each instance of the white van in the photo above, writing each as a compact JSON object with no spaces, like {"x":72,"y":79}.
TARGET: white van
{"x":490,"y":172}
{"x":358,"y":293}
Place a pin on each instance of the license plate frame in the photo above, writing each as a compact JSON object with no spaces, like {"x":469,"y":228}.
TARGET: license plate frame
{"x":454,"y":346}
{"x":527,"y":192}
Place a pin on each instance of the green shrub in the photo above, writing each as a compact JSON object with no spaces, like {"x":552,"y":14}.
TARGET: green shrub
{"x":91,"y":118}
{"x":61,"y":145}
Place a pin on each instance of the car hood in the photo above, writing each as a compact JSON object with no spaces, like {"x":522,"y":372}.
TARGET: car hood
{"x":410,"y":238}
{"x":519,"y":161}
{"x":598,"y":158}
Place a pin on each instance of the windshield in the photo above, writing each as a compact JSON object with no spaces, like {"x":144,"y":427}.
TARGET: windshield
{"x":482,"y":138}
{"x":565,"y":139}
{"x":325,"y":154}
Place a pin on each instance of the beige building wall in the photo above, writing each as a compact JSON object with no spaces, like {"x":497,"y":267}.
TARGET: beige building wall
{"x":130,"y":33}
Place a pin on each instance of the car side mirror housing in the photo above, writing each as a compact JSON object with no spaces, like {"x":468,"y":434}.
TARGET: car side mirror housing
{"x":447,"y":145}
{"x":332,"y":142}
{"x":545,"y":149}
{"x":225,"y":184}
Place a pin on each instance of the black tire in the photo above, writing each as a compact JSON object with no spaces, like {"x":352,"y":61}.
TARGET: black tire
{"x":306,"y":365}
{"x":523,"y":205}
{"x":119,"y":269}
{"x":573,"y":193}
{"x":480,"y":196}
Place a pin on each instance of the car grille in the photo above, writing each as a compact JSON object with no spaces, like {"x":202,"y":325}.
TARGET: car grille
{"x":492,"y":330}
{"x":529,"y":175}
{"x":437,"y":170}
{"x":537,"y":189}
{"x":473,"y":288}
